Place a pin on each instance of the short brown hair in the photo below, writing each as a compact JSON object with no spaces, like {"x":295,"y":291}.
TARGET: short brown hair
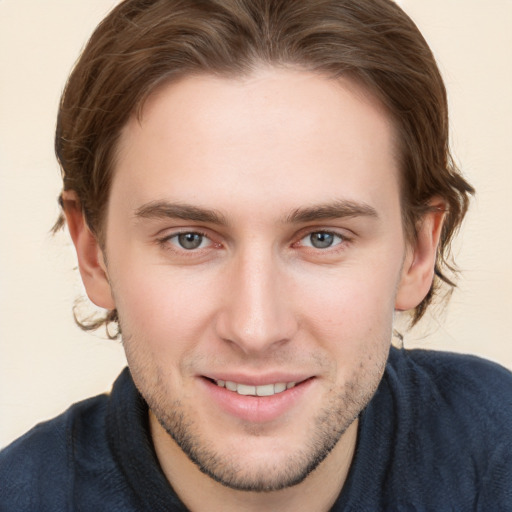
{"x":143,"y":43}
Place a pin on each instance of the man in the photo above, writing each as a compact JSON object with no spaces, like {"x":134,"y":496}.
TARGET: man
{"x":254,"y":188}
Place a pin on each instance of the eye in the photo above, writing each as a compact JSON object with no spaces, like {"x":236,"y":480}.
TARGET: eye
{"x":322,"y":240}
{"x":189,"y":240}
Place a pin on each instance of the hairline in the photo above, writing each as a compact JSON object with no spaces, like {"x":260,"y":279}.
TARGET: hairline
{"x":351,"y":78}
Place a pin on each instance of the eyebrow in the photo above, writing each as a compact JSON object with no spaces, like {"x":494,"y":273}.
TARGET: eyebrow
{"x":336,"y":210}
{"x":167,"y":210}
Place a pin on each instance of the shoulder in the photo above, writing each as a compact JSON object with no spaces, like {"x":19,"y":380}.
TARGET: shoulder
{"x":455,"y":393}
{"x":456,"y":379}
{"x":36,"y":470}
{"x":454,"y":414}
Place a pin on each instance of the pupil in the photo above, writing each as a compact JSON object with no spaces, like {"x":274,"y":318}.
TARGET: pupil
{"x":321,"y":240}
{"x":190,"y":240}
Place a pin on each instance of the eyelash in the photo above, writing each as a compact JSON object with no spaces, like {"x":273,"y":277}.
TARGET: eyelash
{"x":343,"y":240}
{"x":166,"y":243}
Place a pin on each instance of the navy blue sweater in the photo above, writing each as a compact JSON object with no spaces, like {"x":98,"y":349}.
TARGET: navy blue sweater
{"x":436,"y":436}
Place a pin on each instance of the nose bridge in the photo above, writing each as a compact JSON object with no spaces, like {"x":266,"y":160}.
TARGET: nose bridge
{"x":257,"y":313}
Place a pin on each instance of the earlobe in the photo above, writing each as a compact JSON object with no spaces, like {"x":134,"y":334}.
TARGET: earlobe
{"x":418,"y":268}
{"x":90,"y":256}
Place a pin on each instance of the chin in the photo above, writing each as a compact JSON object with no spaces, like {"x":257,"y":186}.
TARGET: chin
{"x":258,"y":461}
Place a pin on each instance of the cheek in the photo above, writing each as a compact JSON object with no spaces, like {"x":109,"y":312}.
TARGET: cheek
{"x":353,"y":295}
{"x":352,"y":309}
{"x":162,"y":322}
{"x":166,"y":309}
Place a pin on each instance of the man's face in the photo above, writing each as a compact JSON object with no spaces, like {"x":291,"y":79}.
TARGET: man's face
{"x":255,"y":247}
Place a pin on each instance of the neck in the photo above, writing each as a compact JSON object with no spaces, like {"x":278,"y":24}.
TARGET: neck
{"x":200,"y":493}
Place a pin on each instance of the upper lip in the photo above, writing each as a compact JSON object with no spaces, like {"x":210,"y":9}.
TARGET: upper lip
{"x":258,"y":380}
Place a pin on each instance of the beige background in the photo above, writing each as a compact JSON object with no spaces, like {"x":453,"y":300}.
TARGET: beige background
{"x":46,"y":362}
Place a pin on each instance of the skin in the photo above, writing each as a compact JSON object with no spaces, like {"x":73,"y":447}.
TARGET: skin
{"x":261,"y":169}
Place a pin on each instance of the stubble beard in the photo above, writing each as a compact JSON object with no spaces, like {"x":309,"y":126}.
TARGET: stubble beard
{"x":341,"y":409}
{"x":332,"y":421}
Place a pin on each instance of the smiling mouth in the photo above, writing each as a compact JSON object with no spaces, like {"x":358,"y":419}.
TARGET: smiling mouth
{"x":249,"y":390}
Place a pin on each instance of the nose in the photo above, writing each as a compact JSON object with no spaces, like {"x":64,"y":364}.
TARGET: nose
{"x":258,"y":314}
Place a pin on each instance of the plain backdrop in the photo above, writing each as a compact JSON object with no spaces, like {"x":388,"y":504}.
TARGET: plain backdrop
{"x":47,"y":363}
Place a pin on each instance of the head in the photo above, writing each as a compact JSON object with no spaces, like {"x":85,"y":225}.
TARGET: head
{"x":182,"y":119}
{"x":141,"y":46}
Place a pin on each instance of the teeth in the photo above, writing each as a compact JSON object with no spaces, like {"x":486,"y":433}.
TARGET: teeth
{"x":264,"y":390}
{"x":242,"y":389}
{"x":231,"y":385}
{"x":267,"y":390}
{"x":280,"y":387}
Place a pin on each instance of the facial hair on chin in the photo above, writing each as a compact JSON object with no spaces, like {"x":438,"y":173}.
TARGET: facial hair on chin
{"x":343,"y":408}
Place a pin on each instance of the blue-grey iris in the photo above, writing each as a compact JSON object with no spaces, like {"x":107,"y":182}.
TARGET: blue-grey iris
{"x":190,"y":240}
{"x":321,"y":239}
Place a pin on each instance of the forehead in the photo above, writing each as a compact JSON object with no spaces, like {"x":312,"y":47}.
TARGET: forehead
{"x":277,"y":137}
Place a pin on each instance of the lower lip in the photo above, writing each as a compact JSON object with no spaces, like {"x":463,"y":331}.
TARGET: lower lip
{"x":256,"y":409}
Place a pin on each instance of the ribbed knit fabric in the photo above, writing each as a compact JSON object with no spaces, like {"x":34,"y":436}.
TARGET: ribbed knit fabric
{"x":437,"y":436}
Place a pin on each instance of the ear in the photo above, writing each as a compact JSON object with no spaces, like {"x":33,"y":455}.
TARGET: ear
{"x":90,"y":256}
{"x":418,"y":269}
